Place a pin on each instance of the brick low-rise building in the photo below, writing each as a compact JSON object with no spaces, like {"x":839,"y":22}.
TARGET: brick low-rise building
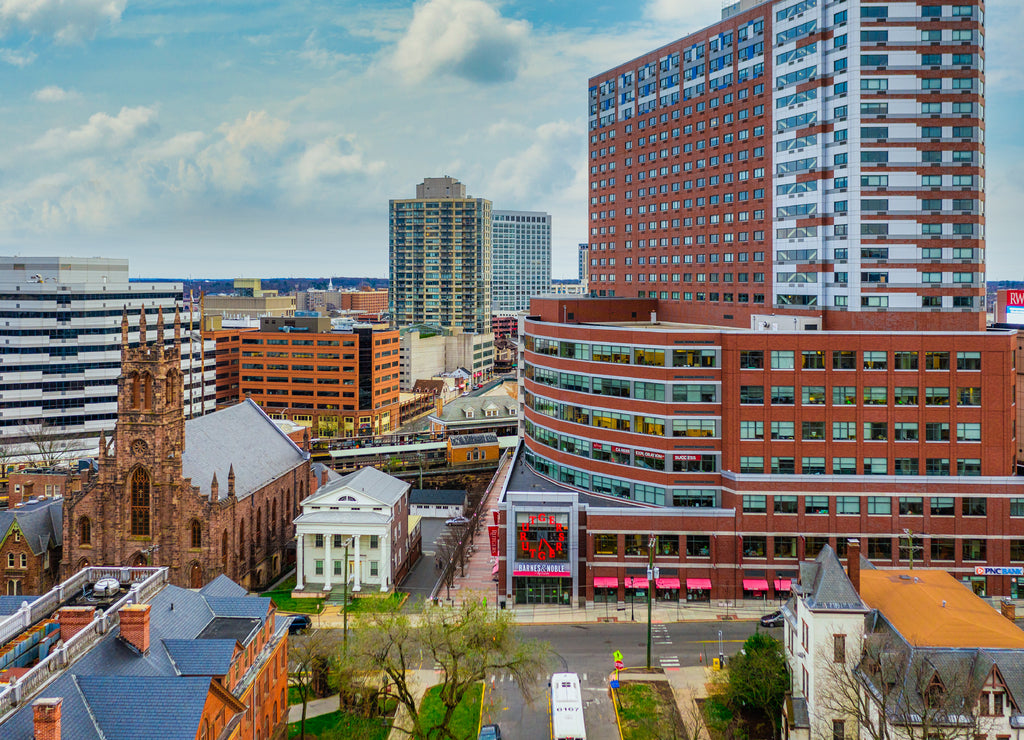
{"x":31,"y":537}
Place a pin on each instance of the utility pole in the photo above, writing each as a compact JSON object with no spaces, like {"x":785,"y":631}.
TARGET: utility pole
{"x":651,"y":576}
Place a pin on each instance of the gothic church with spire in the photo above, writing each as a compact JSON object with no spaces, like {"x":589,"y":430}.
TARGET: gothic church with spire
{"x":211,"y":495}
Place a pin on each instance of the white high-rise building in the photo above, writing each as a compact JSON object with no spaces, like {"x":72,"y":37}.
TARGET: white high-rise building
{"x":521,"y":258}
{"x":60,"y":346}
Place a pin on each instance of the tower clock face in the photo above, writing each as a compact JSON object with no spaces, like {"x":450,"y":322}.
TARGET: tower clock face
{"x":139,"y":447}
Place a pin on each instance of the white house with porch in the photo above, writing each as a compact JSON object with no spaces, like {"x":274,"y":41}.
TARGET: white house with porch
{"x":365,"y":515}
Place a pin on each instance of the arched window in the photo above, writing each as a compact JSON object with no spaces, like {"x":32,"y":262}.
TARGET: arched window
{"x":13,"y":587}
{"x":241,"y":540}
{"x":84,"y":531}
{"x":136,"y":393}
{"x":24,"y":560}
{"x":197,"y":534}
{"x":147,"y":391}
{"x":10,"y":560}
{"x":259,"y":525}
{"x":273,"y":519}
{"x":173,"y":386}
{"x":140,"y":503}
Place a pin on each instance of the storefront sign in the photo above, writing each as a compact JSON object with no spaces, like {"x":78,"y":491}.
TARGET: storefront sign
{"x":492,"y":533}
{"x":983,"y":570}
{"x":542,"y":536}
{"x":687,"y":458}
{"x":650,"y":455}
{"x":553,"y":570}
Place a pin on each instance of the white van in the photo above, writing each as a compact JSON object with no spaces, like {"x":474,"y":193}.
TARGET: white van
{"x":567,"y":708}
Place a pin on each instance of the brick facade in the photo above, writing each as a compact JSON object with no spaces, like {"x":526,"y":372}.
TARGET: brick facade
{"x":141,"y":510}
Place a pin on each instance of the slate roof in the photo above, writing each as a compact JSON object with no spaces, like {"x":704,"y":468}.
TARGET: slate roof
{"x":432,"y":386}
{"x":41,"y":522}
{"x":471,"y":440}
{"x":318,"y":470}
{"x":825,"y":585}
{"x":201,"y":657}
{"x":11,"y":604}
{"x":162,"y":703}
{"x":369,"y":482}
{"x":223,"y":586}
{"x":455,"y":410}
{"x":241,"y":437}
{"x":437,"y":497}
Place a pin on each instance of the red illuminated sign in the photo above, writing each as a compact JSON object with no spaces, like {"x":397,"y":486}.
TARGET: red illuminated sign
{"x":542,"y":537}
{"x":1015,"y":298}
{"x":688,"y":458}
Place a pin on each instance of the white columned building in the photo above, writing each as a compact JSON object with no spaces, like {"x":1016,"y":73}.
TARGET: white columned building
{"x":363,"y":516}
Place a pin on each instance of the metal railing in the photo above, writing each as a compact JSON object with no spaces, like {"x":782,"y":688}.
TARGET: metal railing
{"x":145,"y":583}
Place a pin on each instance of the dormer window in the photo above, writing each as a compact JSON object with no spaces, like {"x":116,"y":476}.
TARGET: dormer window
{"x":469,"y":413}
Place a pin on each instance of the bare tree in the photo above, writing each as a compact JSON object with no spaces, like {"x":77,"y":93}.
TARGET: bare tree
{"x":896,"y":691}
{"x":309,"y":658}
{"x":50,"y":445}
{"x":468,"y":642}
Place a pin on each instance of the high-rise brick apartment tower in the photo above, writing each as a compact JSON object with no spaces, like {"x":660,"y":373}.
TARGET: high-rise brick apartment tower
{"x":822,"y":159}
{"x":784,"y":344}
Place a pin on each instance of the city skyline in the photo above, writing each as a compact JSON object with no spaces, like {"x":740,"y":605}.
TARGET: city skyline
{"x":239,"y":136}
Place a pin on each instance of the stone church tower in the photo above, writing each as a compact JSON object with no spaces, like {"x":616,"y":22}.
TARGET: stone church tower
{"x":144,"y":508}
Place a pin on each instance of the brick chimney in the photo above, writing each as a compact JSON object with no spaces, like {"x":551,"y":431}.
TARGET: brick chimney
{"x":853,"y":563}
{"x":73,"y":619}
{"x":135,"y":626}
{"x":46,"y":719}
{"x":323,"y":476}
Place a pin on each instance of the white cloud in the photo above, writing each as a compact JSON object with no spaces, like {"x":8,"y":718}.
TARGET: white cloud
{"x":101,"y":132}
{"x":331,"y":158}
{"x":54,"y":94}
{"x":465,"y":38}
{"x":691,"y":14}
{"x":257,"y":129}
{"x":17,"y":58}
{"x":68,"y":21}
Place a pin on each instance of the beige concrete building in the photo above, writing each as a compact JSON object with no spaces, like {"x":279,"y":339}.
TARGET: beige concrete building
{"x":426,"y":352}
{"x":248,"y":307}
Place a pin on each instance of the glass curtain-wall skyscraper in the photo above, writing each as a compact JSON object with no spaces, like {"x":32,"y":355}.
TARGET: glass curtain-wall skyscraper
{"x":440,"y":257}
{"x":521,"y":248}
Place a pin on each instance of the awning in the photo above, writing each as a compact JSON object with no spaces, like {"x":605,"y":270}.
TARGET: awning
{"x":755,"y":584}
{"x":606,"y":581}
{"x":636,"y":582}
{"x":666,"y":582}
{"x":698,"y":584}
{"x":494,"y":569}
{"x":783,"y":584}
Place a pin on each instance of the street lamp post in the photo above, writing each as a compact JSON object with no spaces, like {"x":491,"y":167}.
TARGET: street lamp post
{"x":651,"y":577}
{"x":344,"y":603}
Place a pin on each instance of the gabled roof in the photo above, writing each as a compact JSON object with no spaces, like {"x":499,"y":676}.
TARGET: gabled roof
{"x":223,"y":586}
{"x":824,"y":584}
{"x":40,"y":522}
{"x":240,"y":437}
{"x":368,"y":482}
{"x":201,"y":657}
{"x":455,"y":410}
{"x":433,"y":386}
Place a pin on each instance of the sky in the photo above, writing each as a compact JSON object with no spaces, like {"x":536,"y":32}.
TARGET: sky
{"x":252,"y":138}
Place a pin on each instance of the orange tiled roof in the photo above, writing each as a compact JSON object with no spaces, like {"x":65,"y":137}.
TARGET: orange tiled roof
{"x":912,"y":600}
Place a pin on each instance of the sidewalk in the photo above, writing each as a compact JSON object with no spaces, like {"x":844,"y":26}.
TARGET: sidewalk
{"x":314,"y":708}
{"x":419,"y":681}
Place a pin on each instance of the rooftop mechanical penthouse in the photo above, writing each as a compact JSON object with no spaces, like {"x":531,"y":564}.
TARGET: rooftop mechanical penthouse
{"x":822,"y":159}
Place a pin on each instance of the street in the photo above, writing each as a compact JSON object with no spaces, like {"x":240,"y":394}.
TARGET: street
{"x":587,"y":649}
{"x":421,"y":579}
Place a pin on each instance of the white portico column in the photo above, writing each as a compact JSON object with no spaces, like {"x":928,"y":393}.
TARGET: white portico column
{"x":328,"y":564}
{"x":385,"y":561}
{"x":299,"y":573}
{"x":359,"y":566}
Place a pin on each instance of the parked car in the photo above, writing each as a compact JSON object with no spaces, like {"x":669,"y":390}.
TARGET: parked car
{"x":775,"y":619}
{"x":489,"y":732}
{"x":300,"y":623}
{"x":457,"y":520}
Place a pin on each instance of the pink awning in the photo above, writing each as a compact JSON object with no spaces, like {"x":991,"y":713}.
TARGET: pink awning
{"x":666,"y":582}
{"x":755,"y":584}
{"x":494,"y":569}
{"x":783,"y":584}
{"x":636,"y":582}
{"x":606,"y":581}
{"x":698,"y":584}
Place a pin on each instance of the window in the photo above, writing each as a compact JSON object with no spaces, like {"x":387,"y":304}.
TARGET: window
{"x":812,"y":465}
{"x":936,"y":396}
{"x":754,"y":504}
{"x":318,"y":567}
{"x":752,"y":394}
{"x":782,"y":430}
{"x":875,"y":431}
{"x":906,"y":466}
{"x":905,"y":431}
{"x":751,"y":430}
{"x":813,"y":395}
{"x":84,"y":531}
{"x":844,"y":395}
{"x":813,"y":360}
{"x":974,"y":549}
{"x":844,"y":430}
{"x":783,"y":465}
{"x":875,"y":395}
{"x":942,"y":506}
{"x":140,"y":483}
{"x":936,"y":466}
{"x":606,"y":544}
{"x":944,"y":548}
{"x":875,"y":360}
{"x":816,"y":505}
{"x":783,"y":360}
{"x":905,"y":360}
{"x":812,"y":430}
{"x":876,"y":466}
{"x":845,"y":466}
{"x":754,"y":464}
{"x":968,"y":360}
{"x":838,"y":653}
{"x":844,"y":360}
{"x":785,"y":504}
{"x":969,"y":396}
{"x":847,"y":504}
{"x":879,"y":505}
{"x":974,"y":506}
{"x":783,"y":395}
{"x":784,"y":547}
{"x":751,"y":360}
{"x":755,"y":546}
{"x":374,"y":542}
{"x":911,"y":506}
{"x":197,"y":534}
{"x":698,"y":545}
{"x":936,"y":360}
{"x":879,"y":548}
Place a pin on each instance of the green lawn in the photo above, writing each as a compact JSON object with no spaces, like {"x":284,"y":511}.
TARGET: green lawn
{"x":342,"y":726}
{"x":282,"y":598}
{"x":466,"y":720}
{"x":648,"y":710}
{"x":367,"y":604}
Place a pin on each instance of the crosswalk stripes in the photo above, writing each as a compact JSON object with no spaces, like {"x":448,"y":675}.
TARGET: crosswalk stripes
{"x":660,"y":635}
{"x":669,"y":662}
